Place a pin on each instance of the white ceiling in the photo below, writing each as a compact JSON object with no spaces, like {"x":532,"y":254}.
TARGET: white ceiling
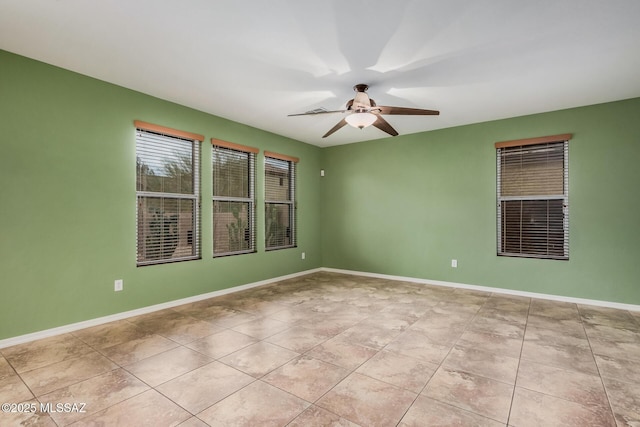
{"x":255,"y":61}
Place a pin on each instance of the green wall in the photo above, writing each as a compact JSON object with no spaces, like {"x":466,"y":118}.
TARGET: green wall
{"x":408,"y":205}
{"x":67,"y":174}
{"x":402,"y":206}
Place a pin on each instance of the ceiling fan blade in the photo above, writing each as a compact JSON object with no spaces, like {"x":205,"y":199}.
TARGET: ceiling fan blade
{"x":316,"y":112}
{"x":384,"y":126}
{"x":407,"y":111}
{"x":340,"y":124}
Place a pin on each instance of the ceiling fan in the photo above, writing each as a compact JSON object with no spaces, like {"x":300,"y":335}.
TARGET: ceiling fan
{"x":363,"y":111}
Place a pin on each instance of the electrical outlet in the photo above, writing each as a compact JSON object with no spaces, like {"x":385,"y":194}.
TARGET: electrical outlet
{"x":304,"y":255}
{"x":454,"y":263}
{"x":118,"y":285}
{"x":321,"y":172}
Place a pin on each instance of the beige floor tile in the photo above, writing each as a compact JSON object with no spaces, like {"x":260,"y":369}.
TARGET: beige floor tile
{"x":470,"y":296}
{"x":258,"y":404}
{"x":490,"y":365}
{"x":137,"y":349}
{"x":369,"y":335}
{"x":459,"y":305}
{"x":13,"y":390}
{"x":166,"y":366}
{"x":150,"y":322}
{"x":294,"y":314}
{"x":497,"y":326}
{"x":332,"y":324}
{"x":402,"y":371}
{"x":569,"y":327}
{"x":177,"y":327}
{"x":70,"y":371}
{"x":491,"y":343}
{"x":443,"y":329}
{"x":615,"y":349}
{"x":188,"y":330}
{"x":110,"y":334}
{"x":407,"y":308}
{"x":5,"y":368}
{"x":40,"y":353}
{"x":398,"y":320}
{"x":146,"y":409}
{"x":367,"y":304}
{"x":306,"y":377}
{"x":448,"y":312}
{"x":259,"y":359}
{"x":193,"y":422}
{"x":342,"y":353}
{"x":507,"y":303}
{"x":417,"y":345}
{"x":429,"y":412}
{"x":222,"y":343}
{"x":578,"y":387}
{"x":367,"y":401}
{"x":260,"y":308}
{"x":483,"y":396}
{"x":556,"y":338}
{"x":435,"y":293}
{"x":609,"y":333}
{"x":261,"y":328}
{"x":625,"y":401}
{"x":567,"y":357}
{"x":619,"y":369}
{"x":532,"y":409}
{"x":223,"y":316}
{"x":202,"y":387}
{"x":557,"y":310}
{"x":298,"y":338}
{"x":606,"y":316}
{"x":318,"y":417}
{"x":208,"y":310}
{"x":94,"y":395}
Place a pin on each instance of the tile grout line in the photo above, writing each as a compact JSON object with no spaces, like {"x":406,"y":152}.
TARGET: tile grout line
{"x":515,"y":382}
{"x":604,"y":387}
{"x":441,"y":364}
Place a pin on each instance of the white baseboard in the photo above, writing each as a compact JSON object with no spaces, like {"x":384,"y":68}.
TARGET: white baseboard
{"x":584,"y":301}
{"x":21,"y":339}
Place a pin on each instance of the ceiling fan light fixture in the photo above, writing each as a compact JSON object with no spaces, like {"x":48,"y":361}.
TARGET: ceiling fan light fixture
{"x":361,"y":119}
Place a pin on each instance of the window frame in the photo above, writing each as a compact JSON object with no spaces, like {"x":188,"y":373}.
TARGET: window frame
{"x":250,"y":200}
{"x":291,"y":203}
{"x":172,"y":135}
{"x":510,"y":147}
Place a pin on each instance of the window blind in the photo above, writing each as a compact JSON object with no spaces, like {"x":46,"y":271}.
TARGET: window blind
{"x":533,"y":204}
{"x":280,"y":203}
{"x":234,"y":172}
{"x":167,"y":192}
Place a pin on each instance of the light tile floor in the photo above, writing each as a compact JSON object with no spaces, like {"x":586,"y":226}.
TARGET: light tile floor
{"x":332,"y":349}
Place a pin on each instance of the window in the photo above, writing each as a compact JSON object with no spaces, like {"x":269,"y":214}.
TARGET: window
{"x":234,"y":176}
{"x":167,"y":189}
{"x":533,"y":199}
{"x":280,"y":201}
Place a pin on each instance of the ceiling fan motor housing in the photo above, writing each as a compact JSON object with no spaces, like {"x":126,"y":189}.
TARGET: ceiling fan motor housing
{"x":361,"y":100}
